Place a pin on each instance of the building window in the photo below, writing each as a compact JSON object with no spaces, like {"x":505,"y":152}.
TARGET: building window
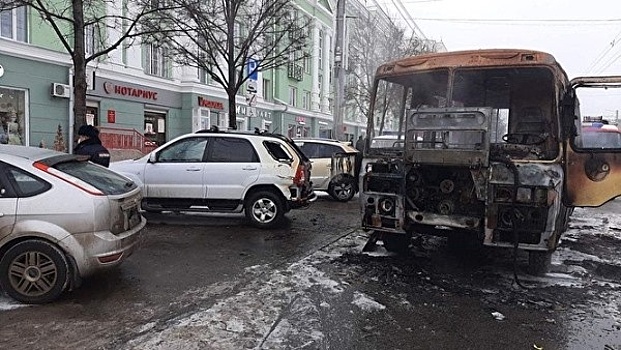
{"x":267,"y":90}
{"x":293,"y":94}
{"x":90,"y":39}
{"x":155,"y":127}
{"x":266,"y":125}
{"x":306,"y":100}
{"x":13,"y":24}
{"x":13,"y":116}
{"x":241,"y":124}
{"x":157,"y":62}
{"x":204,"y":115}
{"x":307,"y":64}
{"x":320,"y":49}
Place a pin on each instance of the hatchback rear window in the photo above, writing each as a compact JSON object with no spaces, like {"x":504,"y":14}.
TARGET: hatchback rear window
{"x":277,"y":151}
{"x":105,"y":180}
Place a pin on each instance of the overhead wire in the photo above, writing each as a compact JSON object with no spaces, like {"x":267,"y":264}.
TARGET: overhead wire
{"x":505,"y":20}
{"x":605,"y":52}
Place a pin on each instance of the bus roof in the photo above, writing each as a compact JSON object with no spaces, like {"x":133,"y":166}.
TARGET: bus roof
{"x":470,"y":58}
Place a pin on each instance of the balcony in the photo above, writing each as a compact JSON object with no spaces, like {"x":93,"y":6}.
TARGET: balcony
{"x":295,"y":71}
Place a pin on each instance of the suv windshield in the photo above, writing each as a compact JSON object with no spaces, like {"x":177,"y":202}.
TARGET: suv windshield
{"x":105,"y":180}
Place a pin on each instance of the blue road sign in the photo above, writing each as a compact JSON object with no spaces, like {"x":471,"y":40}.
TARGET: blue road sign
{"x":253,"y":73}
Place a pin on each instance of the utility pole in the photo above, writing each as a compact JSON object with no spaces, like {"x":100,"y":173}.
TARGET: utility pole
{"x":339,"y":71}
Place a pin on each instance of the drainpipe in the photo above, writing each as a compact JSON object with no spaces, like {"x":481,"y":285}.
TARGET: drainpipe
{"x":71,"y":115}
{"x":282,"y":117}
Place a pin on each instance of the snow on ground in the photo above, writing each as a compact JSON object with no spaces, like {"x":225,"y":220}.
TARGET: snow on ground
{"x":273,"y":308}
{"x":7,"y":303}
{"x":366,"y":303}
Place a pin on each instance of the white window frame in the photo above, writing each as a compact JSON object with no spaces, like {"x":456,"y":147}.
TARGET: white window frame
{"x":267,"y":89}
{"x":306,"y":97}
{"x":90,"y":44}
{"x":156,"y":61}
{"x":14,"y":19}
{"x":204,"y":118}
{"x":320,"y":62}
{"x":241,"y":124}
{"x":293,"y":95}
{"x":265,"y":124}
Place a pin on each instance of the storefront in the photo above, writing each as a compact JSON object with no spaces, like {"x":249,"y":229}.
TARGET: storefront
{"x":31,"y":111}
{"x":208,"y":112}
{"x":13,"y":115}
{"x":153,"y":112}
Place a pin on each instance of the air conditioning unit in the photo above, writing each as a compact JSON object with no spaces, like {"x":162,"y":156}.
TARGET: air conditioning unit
{"x":61,"y":90}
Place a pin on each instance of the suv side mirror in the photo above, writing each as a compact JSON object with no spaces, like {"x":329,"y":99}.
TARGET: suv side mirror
{"x":152,"y":157}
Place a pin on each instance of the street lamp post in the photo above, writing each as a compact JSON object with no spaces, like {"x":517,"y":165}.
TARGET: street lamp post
{"x":339,"y":72}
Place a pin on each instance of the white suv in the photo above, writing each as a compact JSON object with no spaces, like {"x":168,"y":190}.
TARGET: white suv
{"x":335,"y":166}
{"x":263,"y":174}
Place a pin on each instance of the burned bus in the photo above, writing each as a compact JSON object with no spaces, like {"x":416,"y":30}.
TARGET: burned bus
{"x":488,"y":149}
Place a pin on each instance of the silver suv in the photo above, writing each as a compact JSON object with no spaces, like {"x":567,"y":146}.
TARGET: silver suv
{"x":61,"y":218}
{"x":263,"y":174}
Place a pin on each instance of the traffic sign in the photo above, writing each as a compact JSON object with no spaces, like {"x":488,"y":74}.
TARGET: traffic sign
{"x":251,"y":99}
{"x":251,"y":86}
{"x":252,"y":71}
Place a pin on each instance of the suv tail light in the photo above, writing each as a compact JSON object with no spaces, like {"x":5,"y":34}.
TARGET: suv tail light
{"x":300,"y":176}
{"x":69,"y":179}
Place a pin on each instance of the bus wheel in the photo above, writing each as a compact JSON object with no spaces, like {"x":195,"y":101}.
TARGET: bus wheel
{"x":539,"y":262}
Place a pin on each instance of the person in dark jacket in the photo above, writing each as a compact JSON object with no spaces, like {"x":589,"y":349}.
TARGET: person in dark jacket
{"x":90,"y":145}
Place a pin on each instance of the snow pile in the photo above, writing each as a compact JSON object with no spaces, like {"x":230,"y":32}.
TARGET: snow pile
{"x":366,"y":303}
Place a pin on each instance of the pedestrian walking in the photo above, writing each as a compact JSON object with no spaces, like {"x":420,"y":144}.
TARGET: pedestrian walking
{"x":90,"y":145}
{"x":360,"y":144}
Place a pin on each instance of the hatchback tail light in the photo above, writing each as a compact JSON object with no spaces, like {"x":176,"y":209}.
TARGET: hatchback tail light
{"x":300,"y":175}
{"x":84,"y":186}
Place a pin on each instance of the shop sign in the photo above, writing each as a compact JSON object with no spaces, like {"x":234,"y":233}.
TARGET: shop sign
{"x":203,"y":102}
{"x":240,"y":110}
{"x":129,"y":91}
{"x":299,"y":120}
{"x":111,"y":116}
{"x":265,"y":115}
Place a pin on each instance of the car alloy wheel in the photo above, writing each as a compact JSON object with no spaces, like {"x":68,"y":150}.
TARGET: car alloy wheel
{"x":264,"y":209}
{"x":34,"y":271}
{"x":342,"y":190}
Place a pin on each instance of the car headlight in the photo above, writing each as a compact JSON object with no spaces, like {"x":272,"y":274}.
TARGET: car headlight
{"x":386,"y":205}
{"x":524,"y":195}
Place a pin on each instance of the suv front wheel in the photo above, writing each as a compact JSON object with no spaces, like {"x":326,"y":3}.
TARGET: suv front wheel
{"x":264,"y":209}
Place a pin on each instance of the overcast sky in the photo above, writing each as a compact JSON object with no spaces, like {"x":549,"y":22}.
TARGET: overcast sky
{"x":580,"y":31}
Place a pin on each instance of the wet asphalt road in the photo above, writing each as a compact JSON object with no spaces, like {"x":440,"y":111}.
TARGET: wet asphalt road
{"x":214,"y":283}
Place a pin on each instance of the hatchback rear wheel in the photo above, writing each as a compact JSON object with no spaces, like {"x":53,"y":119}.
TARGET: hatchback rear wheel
{"x":342,"y":189}
{"x":34,"y":272}
{"x":264,"y":209}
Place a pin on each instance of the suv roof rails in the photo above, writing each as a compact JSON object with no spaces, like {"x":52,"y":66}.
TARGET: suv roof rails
{"x":213,"y":128}
{"x":259,"y":132}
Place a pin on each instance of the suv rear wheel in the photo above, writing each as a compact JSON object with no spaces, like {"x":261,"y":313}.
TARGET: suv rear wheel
{"x":264,"y":209}
{"x":342,"y":189}
{"x":33,"y":272}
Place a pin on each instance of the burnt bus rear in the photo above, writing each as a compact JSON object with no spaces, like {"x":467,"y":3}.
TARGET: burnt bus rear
{"x":478,"y":156}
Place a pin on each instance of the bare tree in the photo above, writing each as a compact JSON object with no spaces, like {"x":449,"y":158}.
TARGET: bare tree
{"x":372,"y":43}
{"x":220,"y":37}
{"x":88,"y":30}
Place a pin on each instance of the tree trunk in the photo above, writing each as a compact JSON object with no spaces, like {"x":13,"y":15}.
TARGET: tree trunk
{"x":232,"y":109}
{"x":79,"y":66}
